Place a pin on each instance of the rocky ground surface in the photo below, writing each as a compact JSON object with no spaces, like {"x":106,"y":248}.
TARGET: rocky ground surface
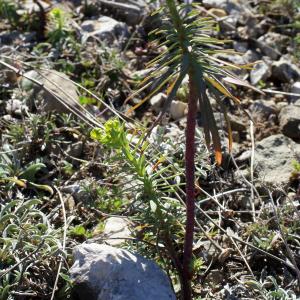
{"x":71,"y":223}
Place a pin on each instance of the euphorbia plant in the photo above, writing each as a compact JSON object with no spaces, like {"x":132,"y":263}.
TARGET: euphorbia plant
{"x":190,"y":51}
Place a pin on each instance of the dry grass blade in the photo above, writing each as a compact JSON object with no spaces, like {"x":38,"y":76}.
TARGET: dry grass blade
{"x":64,"y":239}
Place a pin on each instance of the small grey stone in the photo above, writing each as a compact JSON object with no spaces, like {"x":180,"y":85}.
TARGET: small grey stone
{"x":272,"y":43}
{"x":106,"y":29}
{"x":268,"y":50}
{"x":116,"y":231}
{"x":285,"y":71}
{"x":236,"y":123}
{"x":75,"y":149}
{"x":260,"y":72}
{"x":71,"y":189}
{"x":141,"y":74}
{"x":262,"y":109}
{"x":253,"y":28}
{"x":273,"y":159}
{"x":215,"y":278}
{"x":178,"y":109}
{"x":80,"y":191}
{"x":246,"y":155}
{"x":130,"y":11}
{"x":241,"y":174}
{"x":102,"y":272}
{"x":230,"y":6}
{"x":244,"y":202}
{"x":228,"y":25}
{"x":14,"y":107}
{"x":157,"y":101}
{"x":280,"y":105}
{"x":289,"y":120}
{"x":7,"y":38}
{"x":295,"y":89}
{"x":233,"y":58}
{"x":250,"y":28}
{"x":8,"y":118}
{"x":250,"y":56}
{"x":270,"y":38}
{"x":54,"y":86}
{"x":206,"y":250}
{"x":240,"y":46}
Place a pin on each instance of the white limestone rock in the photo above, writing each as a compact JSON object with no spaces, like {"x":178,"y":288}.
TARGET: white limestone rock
{"x":102,"y":272}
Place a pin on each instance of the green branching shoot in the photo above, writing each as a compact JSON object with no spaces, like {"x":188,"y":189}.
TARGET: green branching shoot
{"x":190,"y":51}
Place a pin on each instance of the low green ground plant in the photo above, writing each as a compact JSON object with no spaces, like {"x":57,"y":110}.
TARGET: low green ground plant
{"x":8,"y":11}
{"x":28,"y":244}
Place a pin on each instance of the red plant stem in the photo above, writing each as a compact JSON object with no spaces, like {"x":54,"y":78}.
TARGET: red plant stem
{"x":190,"y":188}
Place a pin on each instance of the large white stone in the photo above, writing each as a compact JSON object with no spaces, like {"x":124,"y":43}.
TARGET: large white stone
{"x":102,"y":272}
